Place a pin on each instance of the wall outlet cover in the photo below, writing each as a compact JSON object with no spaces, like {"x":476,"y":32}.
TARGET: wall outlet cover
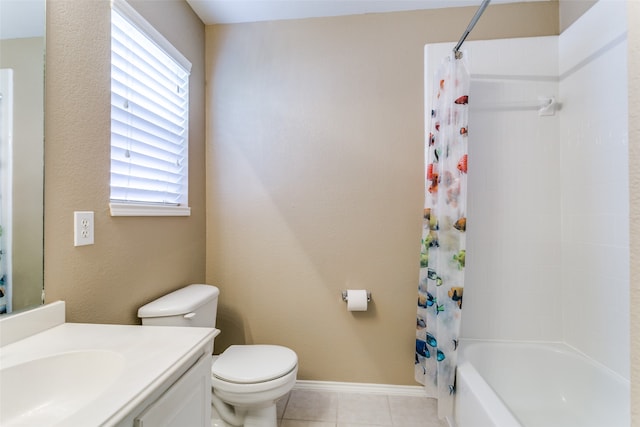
{"x":82,"y":228}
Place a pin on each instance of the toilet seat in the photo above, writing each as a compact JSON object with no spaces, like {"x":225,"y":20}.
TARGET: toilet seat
{"x":253,"y":364}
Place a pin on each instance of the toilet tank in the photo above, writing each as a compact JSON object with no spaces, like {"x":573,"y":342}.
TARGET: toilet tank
{"x":193,"y":305}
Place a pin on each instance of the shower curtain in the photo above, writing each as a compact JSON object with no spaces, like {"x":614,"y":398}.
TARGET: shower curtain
{"x":442,"y":255}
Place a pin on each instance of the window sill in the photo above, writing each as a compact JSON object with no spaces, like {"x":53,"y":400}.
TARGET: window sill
{"x":135,"y":209}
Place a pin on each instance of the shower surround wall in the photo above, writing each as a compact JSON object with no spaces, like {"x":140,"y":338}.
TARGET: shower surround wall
{"x":594,"y":174}
{"x":547,"y":237}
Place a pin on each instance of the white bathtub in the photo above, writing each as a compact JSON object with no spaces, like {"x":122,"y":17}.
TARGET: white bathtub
{"x":513,"y":384}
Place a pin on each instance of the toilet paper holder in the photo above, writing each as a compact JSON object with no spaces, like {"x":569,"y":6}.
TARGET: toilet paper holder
{"x":345,"y":298}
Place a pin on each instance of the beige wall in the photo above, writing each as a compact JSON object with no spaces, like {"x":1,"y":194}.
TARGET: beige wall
{"x":634,"y":202}
{"x":315,"y":180}
{"x":26,"y":57}
{"x":133,"y":260}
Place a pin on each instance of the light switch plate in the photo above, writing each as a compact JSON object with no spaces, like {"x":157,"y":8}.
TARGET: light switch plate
{"x":82,"y":228}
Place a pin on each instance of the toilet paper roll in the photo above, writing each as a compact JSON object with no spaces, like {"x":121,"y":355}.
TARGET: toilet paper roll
{"x":356,"y":300}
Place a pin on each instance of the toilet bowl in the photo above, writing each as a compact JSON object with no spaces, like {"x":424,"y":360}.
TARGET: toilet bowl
{"x":246,"y":380}
{"x":250,"y":379}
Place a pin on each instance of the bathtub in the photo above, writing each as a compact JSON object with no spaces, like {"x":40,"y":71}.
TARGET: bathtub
{"x":514,"y":384}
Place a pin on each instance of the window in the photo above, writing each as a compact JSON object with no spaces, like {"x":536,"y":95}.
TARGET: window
{"x":149,"y":119}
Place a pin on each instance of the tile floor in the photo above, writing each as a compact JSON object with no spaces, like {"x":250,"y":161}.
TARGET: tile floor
{"x":310,"y":408}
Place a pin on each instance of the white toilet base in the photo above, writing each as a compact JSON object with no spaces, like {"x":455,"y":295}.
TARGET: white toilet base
{"x":217,"y":422}
{"x":258,"y":417}
{"x":261,"y":417}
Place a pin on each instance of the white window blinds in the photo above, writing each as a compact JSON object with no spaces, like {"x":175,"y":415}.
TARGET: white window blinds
{"x":149,"y":119}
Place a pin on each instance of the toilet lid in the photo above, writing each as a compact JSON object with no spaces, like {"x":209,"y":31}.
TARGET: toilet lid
{"x":249,"y":364}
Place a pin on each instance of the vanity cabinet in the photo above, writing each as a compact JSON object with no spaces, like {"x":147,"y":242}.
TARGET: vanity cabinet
{"x":186,"y":403}
{"x":111,"y":375}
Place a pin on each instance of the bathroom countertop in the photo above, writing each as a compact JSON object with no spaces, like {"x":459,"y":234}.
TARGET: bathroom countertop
{"x":153,"y":357}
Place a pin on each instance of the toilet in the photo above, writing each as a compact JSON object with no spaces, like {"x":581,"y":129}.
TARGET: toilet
{"x":246,"y":380}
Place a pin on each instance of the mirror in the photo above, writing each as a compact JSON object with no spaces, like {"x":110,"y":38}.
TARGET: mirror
{"x":22,"y":49}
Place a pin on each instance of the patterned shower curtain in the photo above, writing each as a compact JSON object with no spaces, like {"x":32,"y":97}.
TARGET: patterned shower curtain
{"x":442,"y":255}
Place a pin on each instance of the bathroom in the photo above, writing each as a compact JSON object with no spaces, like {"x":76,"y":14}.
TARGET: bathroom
{"x":305,"y":176}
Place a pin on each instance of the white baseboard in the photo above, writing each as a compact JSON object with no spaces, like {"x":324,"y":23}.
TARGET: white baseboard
{"x":365,"y":388}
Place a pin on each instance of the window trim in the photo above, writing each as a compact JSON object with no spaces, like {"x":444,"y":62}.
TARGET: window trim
{"x":120,"y":208}
{"x":144,"y":209}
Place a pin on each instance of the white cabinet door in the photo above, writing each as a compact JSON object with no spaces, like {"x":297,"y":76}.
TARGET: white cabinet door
{"x":187,"y":403}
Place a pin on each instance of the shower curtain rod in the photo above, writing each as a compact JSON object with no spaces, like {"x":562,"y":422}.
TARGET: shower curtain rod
{"x":474,"y":20}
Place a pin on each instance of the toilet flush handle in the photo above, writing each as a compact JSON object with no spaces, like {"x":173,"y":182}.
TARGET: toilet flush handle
{"x":189,"y":315}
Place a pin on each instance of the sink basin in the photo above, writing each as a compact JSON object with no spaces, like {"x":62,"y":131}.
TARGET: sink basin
{"x":47,"y":390}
